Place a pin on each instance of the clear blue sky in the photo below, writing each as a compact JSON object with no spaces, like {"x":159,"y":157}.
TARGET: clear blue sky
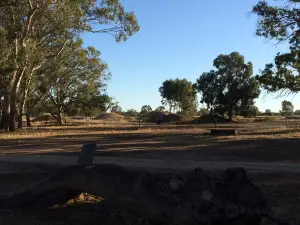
{"x":180,"y":39}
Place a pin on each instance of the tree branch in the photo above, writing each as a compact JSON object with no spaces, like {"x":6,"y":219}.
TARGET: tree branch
{"x":30,"y":4}
{"x":51,"y":56}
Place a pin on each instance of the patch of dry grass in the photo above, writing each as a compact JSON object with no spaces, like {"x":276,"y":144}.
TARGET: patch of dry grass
{"x":267,"y":134}
{"x":76,"y":130}
{"x":83,"y":198}
{"x":276,"y":133}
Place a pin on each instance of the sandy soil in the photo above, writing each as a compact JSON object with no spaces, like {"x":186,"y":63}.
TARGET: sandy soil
{"x":271,"y":156}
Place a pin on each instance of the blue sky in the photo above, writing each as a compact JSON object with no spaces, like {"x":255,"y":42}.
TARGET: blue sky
{"x":180,"y":39}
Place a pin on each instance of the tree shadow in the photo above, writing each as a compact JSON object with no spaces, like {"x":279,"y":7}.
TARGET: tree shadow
{"x":173,"y":146}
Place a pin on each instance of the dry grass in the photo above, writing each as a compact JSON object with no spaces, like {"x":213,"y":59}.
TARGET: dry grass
{"x":275,"y":133}
{"x":83,"y":198}
{"x":256,"y":141}
{"x":97,"y":129}
{"x":63,"y":131}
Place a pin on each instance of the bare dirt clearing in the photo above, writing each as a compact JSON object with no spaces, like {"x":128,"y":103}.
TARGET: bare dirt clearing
{"x":253,"y":144}
{"x":269,"y":151}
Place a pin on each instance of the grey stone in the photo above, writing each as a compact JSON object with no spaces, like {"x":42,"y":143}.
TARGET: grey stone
{"x":86,"y":156}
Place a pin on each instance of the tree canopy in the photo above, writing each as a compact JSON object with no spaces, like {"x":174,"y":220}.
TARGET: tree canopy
{"x":287,"y":108}
{"x":230,"y":87}
{"x":116,"y":108}
{"x":73,"y":79}
{"x":281,"y":23}
{"x":131,"y":113}
{"x":146,"y":109}
{"x":250,"y":111}
{"x":34,"y":33}
{"x":297,"y":112}
{"x":203,"y":111}
{"x":180,"y":95}
{"x":269,"y":112}
{"x":160,"y":109}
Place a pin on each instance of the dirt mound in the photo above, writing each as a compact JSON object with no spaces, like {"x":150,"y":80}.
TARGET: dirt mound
{"x":109,"y":116}
{"x":177,"y":118}
{"x":130,"y":119}
{"x":167,"y":118}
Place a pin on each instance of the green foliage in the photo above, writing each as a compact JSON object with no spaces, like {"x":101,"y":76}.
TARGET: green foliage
{"x":93,"y":106}
{"x":160,"y":109}
{"x":73,"y":80}
{"x":281,"y":24}
{"x":180,"y":95}
{"x":146,"y":109}
{"x":297,"y":112}
{"x":268,"y":112}
{"x":287,"y":108}
{"x":131,"y":113}
{"x":203,"y":111}
{"x":250,"y":111}
{"x":34,"y":35}
{"x":116,"y":108}
{"x":230,"y":87}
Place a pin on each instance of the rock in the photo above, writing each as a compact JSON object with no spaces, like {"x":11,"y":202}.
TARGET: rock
{"x":86,"y":156}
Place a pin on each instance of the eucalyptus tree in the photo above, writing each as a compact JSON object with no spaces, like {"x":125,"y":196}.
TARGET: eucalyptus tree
{"x":231,"y":86}
{"x":281,"y":23}
{"x":74,"y":77}
{"x":179,"y":94}
{"x":36,"y":31}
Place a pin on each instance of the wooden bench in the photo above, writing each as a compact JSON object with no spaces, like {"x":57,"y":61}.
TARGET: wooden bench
{"x":224,"y":131}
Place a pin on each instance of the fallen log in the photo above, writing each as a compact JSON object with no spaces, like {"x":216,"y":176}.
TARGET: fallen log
{"x":224,"y":131}
{"x":192,"y":197}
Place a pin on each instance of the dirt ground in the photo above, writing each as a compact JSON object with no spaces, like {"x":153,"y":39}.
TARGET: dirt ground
{"x":257,"y":146}
{"x":281,"y":190}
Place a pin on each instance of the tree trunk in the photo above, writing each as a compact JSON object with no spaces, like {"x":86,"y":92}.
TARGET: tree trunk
{"x":28,"y":122}
{"x":20,"y":121}
{"x":230,"y":114}
{"x":24,"y":100}
{"x":4,"y":124}
{"x":14,"y":88}
{"x":59,"y":119}
{"x":13,"y":112}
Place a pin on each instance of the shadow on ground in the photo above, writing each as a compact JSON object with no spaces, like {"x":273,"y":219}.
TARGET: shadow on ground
{"x":280,"y":189}
{"x":191,"y":145}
